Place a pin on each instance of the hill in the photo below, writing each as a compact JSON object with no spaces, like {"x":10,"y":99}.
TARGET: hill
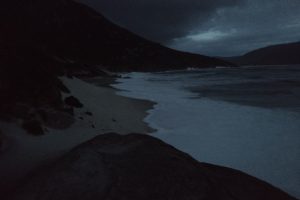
{"x":282,"y":54}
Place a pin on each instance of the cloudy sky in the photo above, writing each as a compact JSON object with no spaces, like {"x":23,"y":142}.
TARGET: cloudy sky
{"x":211,"y":27}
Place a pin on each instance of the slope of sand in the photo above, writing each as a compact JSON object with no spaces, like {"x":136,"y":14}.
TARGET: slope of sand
{"x":110,"y":113}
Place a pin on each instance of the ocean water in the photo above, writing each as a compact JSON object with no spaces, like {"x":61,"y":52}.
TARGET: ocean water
{"x":245,"y":118}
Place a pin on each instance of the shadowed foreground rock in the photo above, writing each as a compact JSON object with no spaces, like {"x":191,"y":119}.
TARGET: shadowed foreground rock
{"x":139,"y":167}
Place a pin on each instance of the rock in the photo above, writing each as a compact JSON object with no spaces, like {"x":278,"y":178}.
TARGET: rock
{"x":33,"y":127}
{"x":139,"y":167}
{"x":1,"y":141}
{"x":4,"y":144}
{"x":74,"y":102}
{"x":89,"y":113}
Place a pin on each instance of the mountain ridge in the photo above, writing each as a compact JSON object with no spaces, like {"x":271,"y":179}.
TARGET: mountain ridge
{"x":279,"y":54}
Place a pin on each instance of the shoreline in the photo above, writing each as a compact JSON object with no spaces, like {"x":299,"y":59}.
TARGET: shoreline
{"x":143,"y":105}
{"x":210,"y":131}
{"x":110,"y":113}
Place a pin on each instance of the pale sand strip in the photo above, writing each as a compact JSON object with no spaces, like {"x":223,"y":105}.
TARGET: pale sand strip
{"x":111,"y":113}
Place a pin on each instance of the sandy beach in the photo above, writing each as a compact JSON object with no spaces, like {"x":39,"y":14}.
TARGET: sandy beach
{"x":104,"y":111}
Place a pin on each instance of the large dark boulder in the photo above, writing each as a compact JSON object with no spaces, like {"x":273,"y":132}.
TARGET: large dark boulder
{"x":73,"y":101}
{"x":33,"y":126}
{"x":139,"y":167}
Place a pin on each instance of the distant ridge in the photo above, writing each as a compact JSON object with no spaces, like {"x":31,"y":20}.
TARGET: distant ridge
{"x":282,"y":54}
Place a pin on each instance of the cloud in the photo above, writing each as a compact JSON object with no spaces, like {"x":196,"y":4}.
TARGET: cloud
{"x":159,"y":20}
{"x":215,"y":27}
{"x":210,"y":36}
{"x":243,"y":27}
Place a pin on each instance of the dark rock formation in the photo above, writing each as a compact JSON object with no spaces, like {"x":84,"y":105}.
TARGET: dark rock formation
{"x":283,"y":54}
{"x":89,"y":113}
{"x":139,"y":167}
{"x":73,"y":101}
{"x":1,"y":141}
{"x":33,"y":127}
{"x":28,"y":79}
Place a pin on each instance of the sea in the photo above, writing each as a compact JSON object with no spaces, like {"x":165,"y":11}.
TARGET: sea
{"x":245,"y":118}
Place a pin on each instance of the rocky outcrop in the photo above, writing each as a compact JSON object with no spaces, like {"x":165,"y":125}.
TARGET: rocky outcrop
{"x":73,"y":102}
{"x":139,"y":167}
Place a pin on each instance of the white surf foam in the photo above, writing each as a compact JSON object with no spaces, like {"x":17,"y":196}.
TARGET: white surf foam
{"x":262,"y":142}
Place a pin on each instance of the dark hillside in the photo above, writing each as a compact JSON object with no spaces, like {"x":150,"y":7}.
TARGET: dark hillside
{"x":283,"y":54}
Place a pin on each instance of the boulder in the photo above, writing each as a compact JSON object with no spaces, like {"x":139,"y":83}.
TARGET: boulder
{"x":33,"y":127}
{"x":129,"y":167}
{"x":73,"y":101}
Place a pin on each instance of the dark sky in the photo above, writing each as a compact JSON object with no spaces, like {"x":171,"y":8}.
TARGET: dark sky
{"x":211,"y":27}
